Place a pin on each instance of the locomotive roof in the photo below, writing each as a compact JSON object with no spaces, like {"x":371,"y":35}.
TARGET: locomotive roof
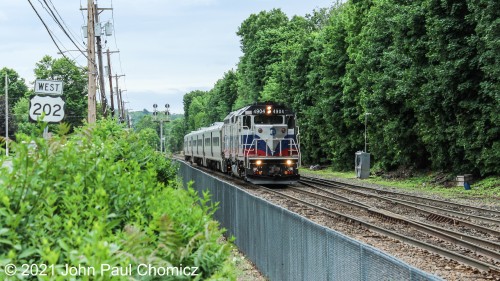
{"x":247,"y":110}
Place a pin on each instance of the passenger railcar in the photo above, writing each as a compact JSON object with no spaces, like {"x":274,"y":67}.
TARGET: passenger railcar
{"x":258,"y":143}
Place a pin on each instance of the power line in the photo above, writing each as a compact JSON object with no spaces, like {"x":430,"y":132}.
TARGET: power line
{"x":54,"y":17}
{"x":67,"y":27}
{"x":116,"y":44}
{"x":48,"y":30}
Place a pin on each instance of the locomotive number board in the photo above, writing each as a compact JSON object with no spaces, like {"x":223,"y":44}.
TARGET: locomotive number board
{"x":259,"y":111}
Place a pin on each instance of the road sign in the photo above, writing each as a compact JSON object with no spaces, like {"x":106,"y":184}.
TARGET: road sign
{"x":48,"y":87}
{"x":53,"y":107}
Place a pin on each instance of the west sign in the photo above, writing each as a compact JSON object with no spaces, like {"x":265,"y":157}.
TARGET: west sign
{"x":48,"y":87}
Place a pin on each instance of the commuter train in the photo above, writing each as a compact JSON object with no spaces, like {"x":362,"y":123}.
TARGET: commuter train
{"x":258,"y":143}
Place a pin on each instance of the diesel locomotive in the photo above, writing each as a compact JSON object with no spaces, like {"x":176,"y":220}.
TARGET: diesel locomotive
{"x":258,"y":143}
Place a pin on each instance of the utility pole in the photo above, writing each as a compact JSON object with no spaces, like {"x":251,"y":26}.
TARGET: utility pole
{"x":110,"y":85}
{"x":366,"y":121}
{"x":101,"y":72}
{"x":118,"y":101}
{"x":118,"y":97}
{"x":123,"y":104}
{"x":6,"y":114}
{"x":91,"y":62}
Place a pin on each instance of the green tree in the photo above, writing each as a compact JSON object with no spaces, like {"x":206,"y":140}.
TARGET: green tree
{"x":74,"y":80}
{"x":222,"y":97}
{"x":259,"y":38}
{"x":485,"y":15}
{"x":17,"y":89}
{"x":174,"y":136}
{"x":198,"y":112}
{"x":191,"y":111}
{"x":145,"y":122}
{"x":22,"y":119}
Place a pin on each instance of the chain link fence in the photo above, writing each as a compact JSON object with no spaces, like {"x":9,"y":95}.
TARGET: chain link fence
{"x":286,"y":246}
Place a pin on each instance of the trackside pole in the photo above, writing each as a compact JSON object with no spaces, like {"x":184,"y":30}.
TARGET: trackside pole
{"x":6,"y":115}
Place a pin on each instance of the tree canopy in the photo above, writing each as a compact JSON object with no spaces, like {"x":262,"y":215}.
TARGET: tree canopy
{"x":427,"y":72}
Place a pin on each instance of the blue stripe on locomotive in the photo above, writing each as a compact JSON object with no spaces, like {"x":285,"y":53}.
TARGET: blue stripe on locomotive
{"x":247,"y":141}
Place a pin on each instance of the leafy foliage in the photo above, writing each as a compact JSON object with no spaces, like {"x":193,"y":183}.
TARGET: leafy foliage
{"x":74,"y":81}
{"x":426,"y":71}
{"x":99,"y":197}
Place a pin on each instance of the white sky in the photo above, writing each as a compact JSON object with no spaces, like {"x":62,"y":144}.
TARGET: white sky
{"x":167,"y":48}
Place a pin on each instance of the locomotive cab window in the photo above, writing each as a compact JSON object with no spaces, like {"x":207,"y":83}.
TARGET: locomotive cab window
{"x":247,"y":121}
{"x":290,"y":121}
{"x":264,"y":119}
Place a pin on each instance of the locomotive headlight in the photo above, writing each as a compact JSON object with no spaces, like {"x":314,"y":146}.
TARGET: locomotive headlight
{"x":260,"y":130}
{"x":269,"y":109}
{"x":258,"y":162}
{"x":289,"y":162}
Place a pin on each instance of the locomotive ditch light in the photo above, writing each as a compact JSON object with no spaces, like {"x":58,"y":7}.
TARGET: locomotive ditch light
{"x":258,"y":162}
{"x":289,"y":162}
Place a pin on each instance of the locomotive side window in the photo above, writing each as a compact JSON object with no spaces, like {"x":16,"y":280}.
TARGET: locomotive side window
{"x":247,"y":121}
{"x":290,"y":121}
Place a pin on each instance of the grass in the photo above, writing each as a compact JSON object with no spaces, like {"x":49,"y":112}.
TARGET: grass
{"x":487,"y":189}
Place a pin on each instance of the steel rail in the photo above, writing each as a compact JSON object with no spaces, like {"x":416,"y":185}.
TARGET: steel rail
{"x":428,"y":229}
{"x":443,"y":252}
{"x":490,"y":231}
{"x":461,"y":206}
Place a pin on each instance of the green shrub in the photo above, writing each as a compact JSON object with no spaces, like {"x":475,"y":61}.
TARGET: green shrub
{"x":100,"y":197}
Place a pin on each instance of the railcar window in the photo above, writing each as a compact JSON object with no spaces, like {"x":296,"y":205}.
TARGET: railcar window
{"x":263,"y":119}
{"x":198,"y":142}
{"x":207,"y":141}
{"x":215,"y":141}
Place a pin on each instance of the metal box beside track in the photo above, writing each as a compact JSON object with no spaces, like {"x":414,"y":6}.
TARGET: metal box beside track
{"x":362,"y":164}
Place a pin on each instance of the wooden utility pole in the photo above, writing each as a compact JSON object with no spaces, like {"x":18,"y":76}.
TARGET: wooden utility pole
{"x":110,"y":85}
{"x":6,"y":113}
{"x":123,"y":104}
{"x":101,"y":72}
{"x":91,"y":62}
{"x":118,"y":98}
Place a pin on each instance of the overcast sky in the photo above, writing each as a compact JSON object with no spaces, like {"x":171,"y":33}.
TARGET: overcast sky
{"x":167,"y":48}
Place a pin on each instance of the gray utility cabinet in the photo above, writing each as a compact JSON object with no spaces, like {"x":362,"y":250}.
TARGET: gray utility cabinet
{"x":362,"y":164}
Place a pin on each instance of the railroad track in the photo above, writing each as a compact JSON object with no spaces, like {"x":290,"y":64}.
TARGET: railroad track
{"x":488,"y":224}
{"x":467,"y":260}
{"x":479,"y":246}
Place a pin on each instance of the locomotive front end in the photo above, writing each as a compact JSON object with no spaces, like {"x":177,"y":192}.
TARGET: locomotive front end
{"x":271,"y":147}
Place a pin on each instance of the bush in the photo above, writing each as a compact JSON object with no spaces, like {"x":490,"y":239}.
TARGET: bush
{"x":99,"y":198}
